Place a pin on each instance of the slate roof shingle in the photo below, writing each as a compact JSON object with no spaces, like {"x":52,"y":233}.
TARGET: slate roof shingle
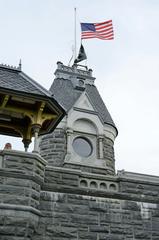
{"x":65,"y":93}
{"x":99,"y":105}
{"x":14,"y":79}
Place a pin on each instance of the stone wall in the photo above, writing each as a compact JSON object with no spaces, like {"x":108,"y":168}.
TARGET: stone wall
{"x":21,"y":177}
{"x":53,"y":147}
{"x":73,"y":216}
{"x":76,"y":205}
{"x":108,"y":153}
{"x":39,"y":202}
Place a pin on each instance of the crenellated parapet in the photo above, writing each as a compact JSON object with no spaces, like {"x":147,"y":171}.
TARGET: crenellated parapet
{"x":75,"y":73}
{"x":11,"y":67}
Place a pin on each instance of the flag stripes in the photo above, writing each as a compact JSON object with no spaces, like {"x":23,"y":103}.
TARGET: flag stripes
{"x":103,"y":31}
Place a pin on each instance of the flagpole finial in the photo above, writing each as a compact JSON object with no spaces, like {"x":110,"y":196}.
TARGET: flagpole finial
{"x":75,"y":41}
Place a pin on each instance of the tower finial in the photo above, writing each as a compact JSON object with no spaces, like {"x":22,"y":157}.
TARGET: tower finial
{"x":20,"y":65}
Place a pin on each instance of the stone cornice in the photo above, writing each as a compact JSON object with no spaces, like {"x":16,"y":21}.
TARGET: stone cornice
{"x":19,"y":208}
{"x":99,"y":193}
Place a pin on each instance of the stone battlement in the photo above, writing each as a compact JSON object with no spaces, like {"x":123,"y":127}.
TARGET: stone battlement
{"x":40,"y":201}
{"x":68,"y":72}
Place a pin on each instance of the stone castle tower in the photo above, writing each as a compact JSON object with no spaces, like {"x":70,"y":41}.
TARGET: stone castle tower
{"x":84,"y":139}
{"x":69,"y":190}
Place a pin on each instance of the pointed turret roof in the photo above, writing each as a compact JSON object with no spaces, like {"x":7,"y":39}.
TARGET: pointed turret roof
{"x":66,"y":90}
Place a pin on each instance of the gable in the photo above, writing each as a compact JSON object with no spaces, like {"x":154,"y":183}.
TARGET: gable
{"x":84,"y":103}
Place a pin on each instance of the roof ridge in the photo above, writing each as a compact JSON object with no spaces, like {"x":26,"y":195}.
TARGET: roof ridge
{"x":36,"y":84}
{"x":111,"y":122}
{"x":10,"y":67}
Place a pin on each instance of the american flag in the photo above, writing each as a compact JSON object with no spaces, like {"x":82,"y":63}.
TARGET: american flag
{"x":103,"y":30}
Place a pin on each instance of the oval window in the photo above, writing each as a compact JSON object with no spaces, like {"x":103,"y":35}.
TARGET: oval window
{"x":82,"y":147}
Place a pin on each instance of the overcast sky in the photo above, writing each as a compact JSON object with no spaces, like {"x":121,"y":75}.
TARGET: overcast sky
{"x":126,"y":69}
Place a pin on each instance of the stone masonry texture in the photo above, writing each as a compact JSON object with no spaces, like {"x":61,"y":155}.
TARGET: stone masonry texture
{"x":53,"y":147}
{"x":42,"y":202}
{"x":108,"y":152}
{"x":21,"y":177}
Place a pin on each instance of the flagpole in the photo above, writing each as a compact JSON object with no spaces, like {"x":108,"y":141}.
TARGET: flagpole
{"x":75,"y":33}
